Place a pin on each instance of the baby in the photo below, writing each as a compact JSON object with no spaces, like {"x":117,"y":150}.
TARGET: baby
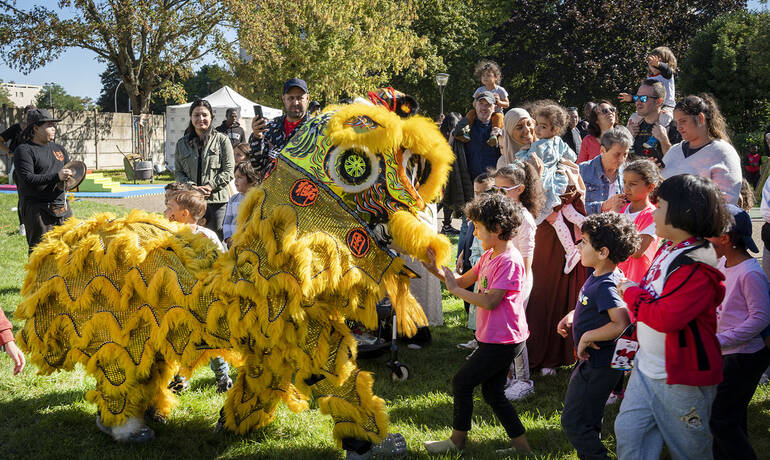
{"x":558,"y":172}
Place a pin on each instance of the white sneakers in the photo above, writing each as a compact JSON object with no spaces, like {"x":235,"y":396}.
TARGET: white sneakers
{"x":547,"y":371}
{"x":519,"y":389}
{"x":469,"y":345}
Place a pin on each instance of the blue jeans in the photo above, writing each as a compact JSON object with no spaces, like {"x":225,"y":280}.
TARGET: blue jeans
{"x":654,"y":412}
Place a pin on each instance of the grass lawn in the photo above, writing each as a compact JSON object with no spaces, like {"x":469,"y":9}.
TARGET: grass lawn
{"x":48,"y":416}
{"x":119,"y":175}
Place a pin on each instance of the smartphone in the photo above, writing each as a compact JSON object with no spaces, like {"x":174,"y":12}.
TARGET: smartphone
{"x":258,"y":111}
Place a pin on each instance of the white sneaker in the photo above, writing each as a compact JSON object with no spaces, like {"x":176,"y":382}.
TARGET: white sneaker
{"x":469,"y":345}
{"x":520,"y":389}
{"x":546,"y":371}
{"x":613,"y":399}
{"x":22,"y":230}
{"x":764,"y":379}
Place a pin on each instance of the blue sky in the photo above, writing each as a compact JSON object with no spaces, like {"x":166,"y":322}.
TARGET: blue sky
{"x":77,"y":70}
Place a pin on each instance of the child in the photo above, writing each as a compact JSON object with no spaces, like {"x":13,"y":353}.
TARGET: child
{"x":241,"y":152}
{"x":470,"y":253}
{"x":245,"y":178}
{"x":661,"y":66}
{"x":744,"y":313}
{"x":679,"y":363}
{"x":501,"y":322}
{"x":559,"y":171}
{"x":520,"y":182}
{"x":599,"y":317}
{"x":490,"y":75}
{"x":187,"y":207}
{"x":640,"y":178}
{"x":8,"y":344}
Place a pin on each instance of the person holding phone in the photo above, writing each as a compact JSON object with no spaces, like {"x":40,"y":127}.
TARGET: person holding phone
{"x":267,"y":139}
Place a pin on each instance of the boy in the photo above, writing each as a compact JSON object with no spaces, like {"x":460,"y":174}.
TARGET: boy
{"x":600,"y":316}
{"x":245,"y":178}
{"x":187,"y":207}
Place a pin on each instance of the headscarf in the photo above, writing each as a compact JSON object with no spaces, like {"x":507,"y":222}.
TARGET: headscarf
{"x":510,"y":147}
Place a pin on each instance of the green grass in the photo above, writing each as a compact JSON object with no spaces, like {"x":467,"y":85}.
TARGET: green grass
{"x":119,"y":175}
{"x":48,"y":416}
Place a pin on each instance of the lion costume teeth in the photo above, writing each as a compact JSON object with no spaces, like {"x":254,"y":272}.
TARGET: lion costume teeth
{"x":135,"y":298}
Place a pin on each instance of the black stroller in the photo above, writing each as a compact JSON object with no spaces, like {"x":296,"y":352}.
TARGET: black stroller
{"x":373,"y":344}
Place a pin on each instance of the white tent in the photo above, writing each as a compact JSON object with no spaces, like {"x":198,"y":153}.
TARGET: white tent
{"x":178,"y":116}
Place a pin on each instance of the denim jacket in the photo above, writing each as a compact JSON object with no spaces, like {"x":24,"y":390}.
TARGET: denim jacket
{"x":598,"y":184}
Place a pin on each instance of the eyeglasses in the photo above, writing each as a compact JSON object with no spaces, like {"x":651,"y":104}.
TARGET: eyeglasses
{"x":502,"y":190}
{"x":607,"y":110}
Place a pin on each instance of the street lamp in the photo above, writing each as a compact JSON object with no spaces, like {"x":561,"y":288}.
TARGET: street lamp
{"x":441,"y":80}
{"x":115,"y":97}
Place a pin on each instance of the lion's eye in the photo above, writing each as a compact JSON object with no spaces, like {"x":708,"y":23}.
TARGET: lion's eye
{"x":353,"y":169}
{"x":416,"y":167}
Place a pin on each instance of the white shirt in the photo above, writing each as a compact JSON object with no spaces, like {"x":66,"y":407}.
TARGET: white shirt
{"x":210,"y":235}
{"x":717,"y":161}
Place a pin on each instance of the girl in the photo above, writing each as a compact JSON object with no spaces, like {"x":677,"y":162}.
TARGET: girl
{"x":520,"y":182}
{"x":743,"y":315}
{"x":559,"y":172}
{"x":661,"y":66}
{"x":245,"y":179}
{"x":679,"y":364}
{"x":501,"y":322}
{"x":490,"y":75}
{"x":639,"y":180}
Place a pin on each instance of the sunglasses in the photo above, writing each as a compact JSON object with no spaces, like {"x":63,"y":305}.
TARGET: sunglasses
{"x":636,"y":97}
{"x":608,"y":110}
{"x":503,"y":190}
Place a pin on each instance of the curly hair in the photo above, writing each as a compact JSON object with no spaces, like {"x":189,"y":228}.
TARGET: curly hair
{"x":612,"y":231}
{"x":496,"y":213}
{"x":487,"y":65}
{"x":593,"y":118}
{"x":524,"y":173}
{"x":666,"y":55}
{"x":555,"y":114}
{"x":695,"y":205}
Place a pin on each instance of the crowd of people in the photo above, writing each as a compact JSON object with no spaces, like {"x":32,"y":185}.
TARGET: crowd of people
{"x":579,"y":233}
{"x":574,"y":233}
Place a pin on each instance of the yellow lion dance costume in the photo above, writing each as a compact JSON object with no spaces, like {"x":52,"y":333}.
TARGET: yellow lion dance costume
{"x":134,"y":298}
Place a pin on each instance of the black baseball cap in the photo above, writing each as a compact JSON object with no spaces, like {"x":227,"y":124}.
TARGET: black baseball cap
{"x":292,"y":82}
{"x":38,"y":116}
{"x":488,"y":96}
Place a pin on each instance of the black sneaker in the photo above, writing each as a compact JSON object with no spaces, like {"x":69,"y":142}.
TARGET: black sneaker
{"x":449,"y":230}
{"x":178,"y":384}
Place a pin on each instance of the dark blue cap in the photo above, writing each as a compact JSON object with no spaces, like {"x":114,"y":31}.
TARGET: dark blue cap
{"x":742,"y":226}
{"x":292,"y":82}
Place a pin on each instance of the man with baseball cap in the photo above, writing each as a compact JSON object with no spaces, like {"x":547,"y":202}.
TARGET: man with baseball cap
{"x":268,"y":139}
{"x":40,"y":171}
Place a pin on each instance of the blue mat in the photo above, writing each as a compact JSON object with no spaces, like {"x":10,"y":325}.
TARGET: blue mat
{"x":133,"y":190}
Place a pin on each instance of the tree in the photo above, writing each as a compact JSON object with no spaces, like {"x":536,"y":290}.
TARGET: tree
{"x":5,"y":99}
{"x":54,"y":96}
{"x":342,"y":47}
{"x":730,"y":58}
{"x":152,"y":43}
{"x":458,"y":34}
{"x":576,"y":51}
{"x":206,"y":80}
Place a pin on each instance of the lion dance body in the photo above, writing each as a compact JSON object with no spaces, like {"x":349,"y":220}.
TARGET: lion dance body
{"x":135,"y":298}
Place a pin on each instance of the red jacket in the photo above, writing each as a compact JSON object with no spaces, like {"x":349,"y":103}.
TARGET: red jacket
{"x":686,"y":313}
{"x":6,"y":330}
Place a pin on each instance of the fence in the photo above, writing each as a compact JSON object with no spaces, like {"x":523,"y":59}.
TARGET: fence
{"x":98,"y":138}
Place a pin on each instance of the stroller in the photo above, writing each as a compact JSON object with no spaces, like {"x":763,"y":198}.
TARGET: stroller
{"x":373,"y":344}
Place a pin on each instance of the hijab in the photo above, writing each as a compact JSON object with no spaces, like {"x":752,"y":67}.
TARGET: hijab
{"x":509,"y":146}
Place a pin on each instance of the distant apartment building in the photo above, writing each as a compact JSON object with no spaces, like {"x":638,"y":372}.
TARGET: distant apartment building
{"x":22,"y":95}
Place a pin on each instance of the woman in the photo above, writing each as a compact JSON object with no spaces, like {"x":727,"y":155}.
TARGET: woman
{"x":603,"y":117}
{"x":705,"y":149}
{"x":553,"y":292}
{"x":204,"y":159}
{"x":603,"y":175}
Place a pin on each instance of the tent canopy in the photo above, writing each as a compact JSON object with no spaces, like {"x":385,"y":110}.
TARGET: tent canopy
{"x":178,"y":116}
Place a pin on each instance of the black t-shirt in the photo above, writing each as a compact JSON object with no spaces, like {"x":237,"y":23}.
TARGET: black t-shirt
{"x":598,"y":295}
{"x":644,"y":134}
{"x":235,"y":133}
{"x":12,"y":134}
{"x":37,"y":170}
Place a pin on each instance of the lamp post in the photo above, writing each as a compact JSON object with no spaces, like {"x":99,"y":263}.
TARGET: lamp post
{"x":115,"y":97}
{"x":441,"y":80}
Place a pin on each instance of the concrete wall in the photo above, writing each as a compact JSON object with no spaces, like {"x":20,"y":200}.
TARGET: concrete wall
{"x":97,"y":138}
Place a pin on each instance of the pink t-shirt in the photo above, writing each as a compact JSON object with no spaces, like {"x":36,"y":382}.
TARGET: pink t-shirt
{"x":508,"y":322}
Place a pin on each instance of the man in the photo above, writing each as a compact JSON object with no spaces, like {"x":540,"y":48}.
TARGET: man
{"x":40,"y":171}
{"x":572,"y":135}
{"x":656,"y":131}
{"x":231,"y":128}
{"x":480,"y":155}
{"x":267,"y":139}
{"x":583,"y":124}
{"x":9,"y":140}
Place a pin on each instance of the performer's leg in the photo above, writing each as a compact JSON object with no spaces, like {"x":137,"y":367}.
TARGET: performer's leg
{"x":254,"y":397}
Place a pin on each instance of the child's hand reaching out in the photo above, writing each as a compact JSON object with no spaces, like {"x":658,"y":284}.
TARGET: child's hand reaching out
{"x":449,"y":279}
